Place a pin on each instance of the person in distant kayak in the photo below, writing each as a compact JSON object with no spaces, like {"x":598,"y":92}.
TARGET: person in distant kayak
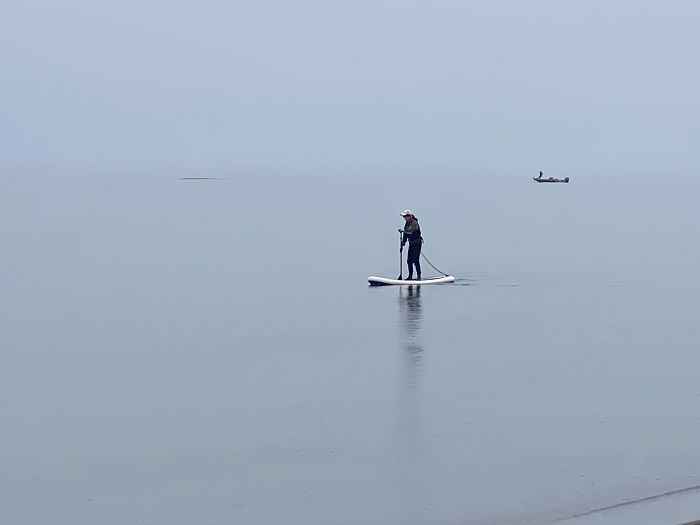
{"x":412,"y":236}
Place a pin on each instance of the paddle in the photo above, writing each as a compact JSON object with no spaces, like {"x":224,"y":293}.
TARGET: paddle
{"x":401,"y":255}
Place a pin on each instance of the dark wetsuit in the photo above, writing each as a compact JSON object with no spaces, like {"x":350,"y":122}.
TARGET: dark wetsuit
{"x":412,"y":235}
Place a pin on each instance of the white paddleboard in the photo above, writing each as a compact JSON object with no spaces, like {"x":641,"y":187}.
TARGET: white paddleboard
{"x":383,"y":281}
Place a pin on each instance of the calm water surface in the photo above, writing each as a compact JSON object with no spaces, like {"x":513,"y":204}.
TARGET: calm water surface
{"x":208,"y":351}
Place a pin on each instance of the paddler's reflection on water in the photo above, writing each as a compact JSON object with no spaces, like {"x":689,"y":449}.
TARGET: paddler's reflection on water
{"x":410,"y":436}
{"x":411,"y":317}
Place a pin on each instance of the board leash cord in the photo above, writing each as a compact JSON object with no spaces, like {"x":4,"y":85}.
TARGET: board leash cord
{"x":431,"y":264}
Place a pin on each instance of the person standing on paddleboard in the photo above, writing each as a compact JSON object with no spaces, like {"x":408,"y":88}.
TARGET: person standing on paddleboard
{"x":411,"y":234}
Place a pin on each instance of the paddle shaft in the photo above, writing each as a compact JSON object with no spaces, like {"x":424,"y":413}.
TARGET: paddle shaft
{"x":400,"y":256}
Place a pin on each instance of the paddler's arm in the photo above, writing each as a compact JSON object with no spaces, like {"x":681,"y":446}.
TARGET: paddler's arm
{"x":409,"y":229}
{"x":406,"y":235}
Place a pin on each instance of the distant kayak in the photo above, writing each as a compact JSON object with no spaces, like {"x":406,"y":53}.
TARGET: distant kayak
{"x":384,"y":281}
{"x":550,"y":179}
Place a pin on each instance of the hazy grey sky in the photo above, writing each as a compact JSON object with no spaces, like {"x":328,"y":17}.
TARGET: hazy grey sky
{"x":506,"y":85}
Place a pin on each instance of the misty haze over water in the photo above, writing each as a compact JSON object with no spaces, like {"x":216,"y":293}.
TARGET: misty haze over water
{"x":192,"y":197}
